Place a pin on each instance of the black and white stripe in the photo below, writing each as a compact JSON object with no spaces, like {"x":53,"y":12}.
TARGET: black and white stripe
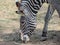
{"x":33,"y":5}
{"x":28,"y":21}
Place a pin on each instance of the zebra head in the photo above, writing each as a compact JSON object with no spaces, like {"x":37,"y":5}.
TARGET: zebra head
{"x":18,"y":5}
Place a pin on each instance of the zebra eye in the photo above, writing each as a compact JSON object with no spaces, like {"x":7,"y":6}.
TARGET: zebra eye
{"x":17,"y":12}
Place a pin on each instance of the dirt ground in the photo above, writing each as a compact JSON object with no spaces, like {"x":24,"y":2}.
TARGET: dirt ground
{"x":14,"y":39}
{"x":10,"y":25}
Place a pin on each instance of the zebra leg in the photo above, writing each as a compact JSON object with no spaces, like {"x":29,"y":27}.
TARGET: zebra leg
{"x":47,"y":19}
{"x":27,"y":25}
{"x":23,"y":29}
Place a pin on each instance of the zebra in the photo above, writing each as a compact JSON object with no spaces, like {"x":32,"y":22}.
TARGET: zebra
{"x":30,"y":9}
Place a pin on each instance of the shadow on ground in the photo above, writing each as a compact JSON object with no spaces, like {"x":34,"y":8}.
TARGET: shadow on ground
{"x":53,"y":37}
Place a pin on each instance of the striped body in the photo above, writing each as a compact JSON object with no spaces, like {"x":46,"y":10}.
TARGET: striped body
{"x":32,"y":5}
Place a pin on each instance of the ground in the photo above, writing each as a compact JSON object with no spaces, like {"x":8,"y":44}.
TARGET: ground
{"x":9,"y":26}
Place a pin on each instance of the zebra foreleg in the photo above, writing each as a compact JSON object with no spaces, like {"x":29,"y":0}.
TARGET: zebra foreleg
{"x":47,"y":19}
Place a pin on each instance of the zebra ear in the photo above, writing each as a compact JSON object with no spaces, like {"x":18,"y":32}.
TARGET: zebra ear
{"x":16,"y":0}
{"x":47,"y":1}
{"x":17,"y":4}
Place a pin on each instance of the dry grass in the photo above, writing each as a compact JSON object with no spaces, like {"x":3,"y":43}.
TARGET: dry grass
{"x":9,"y":21}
